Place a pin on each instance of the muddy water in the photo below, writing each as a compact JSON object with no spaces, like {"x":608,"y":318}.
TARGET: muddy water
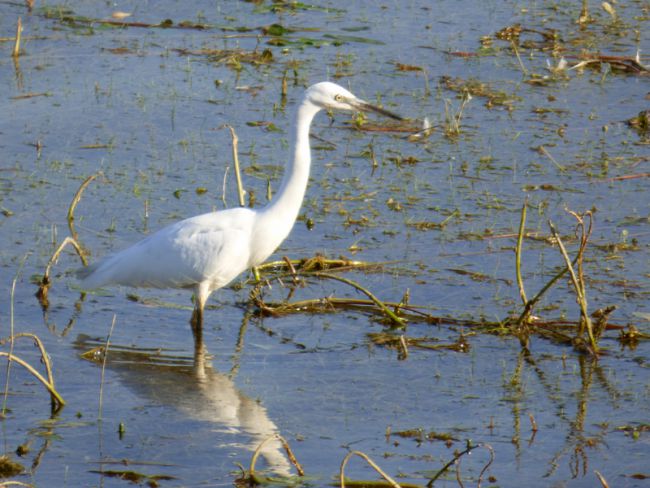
{"x":143,"y":104}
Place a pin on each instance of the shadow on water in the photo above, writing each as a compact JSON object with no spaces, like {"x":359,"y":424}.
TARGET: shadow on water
{"x":194,"y":388}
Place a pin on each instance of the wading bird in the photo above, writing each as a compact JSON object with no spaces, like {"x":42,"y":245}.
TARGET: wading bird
{"x":208,"y":251}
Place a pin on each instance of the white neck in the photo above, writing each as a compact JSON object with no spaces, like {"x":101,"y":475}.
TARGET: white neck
{"x":280,"y":215}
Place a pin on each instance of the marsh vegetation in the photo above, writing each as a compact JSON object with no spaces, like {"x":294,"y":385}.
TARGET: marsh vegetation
{"x":473,"y":280}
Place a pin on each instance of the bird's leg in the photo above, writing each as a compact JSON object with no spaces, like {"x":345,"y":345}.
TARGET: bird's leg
{"x":200,"y":296}
{"x":197,"y":332}
{"x":199,"y":348}
{"x":197,"y":319}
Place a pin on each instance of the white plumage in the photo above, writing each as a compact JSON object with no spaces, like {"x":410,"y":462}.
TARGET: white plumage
{"x":208,"y":251}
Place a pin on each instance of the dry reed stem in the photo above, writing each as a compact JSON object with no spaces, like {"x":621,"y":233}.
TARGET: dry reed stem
{"x":533,"y":301}
{"x":628,"y":177}
{"x":19,"y":29}
{"x":235,"y":158}
{"x":578,"y":283}
{"x":291,"y":456}
{"x":602,"y":479}
{"x":11,"y":331}
{"x":44,"y":356}
{"x":456,"y":459}
{"x":390,"y":480}
{"x":413,"y":312}
{"x":458,"y":480}
{"x":400,"y":322}
{"x":520,"y":240}
{"x":318,"y":262}
{"x":452,"y":128}
{"x":521,"y":63}
{"x":11,"y":338}
{"x":585,"y":233}
{"x":101,"y":381}
{"x":77,"y":247}
{"x":287,"y":449}
{"x":545,"y":152}
{"x":56,"y":398}
{"x":584,"y":13}
{"x":292,"y":270}
{"x":15,"y":483}
{"x":75,"y":201}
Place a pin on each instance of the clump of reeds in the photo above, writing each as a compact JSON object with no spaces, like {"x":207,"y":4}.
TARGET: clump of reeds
{"x":452,"y":120}
{"x":575,"y":268}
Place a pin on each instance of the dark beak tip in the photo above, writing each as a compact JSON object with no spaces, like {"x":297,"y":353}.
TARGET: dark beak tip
{"x":382,"y":111}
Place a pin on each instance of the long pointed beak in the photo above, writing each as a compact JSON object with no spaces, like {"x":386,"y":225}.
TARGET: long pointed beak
{"x":367,"y":107}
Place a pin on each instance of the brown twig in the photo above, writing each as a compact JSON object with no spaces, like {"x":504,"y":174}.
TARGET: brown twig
{"x":391,"y":315}
{"x":456,"y":458}
{"x":44,"y":356}
{"x":235,"y":158}
{"x":520,"y":240}
{"x":578,"y":279}
{"x":285,"y":445}
{"x":56,"y":398}
{"x":602,"y":479}
{"x":75,"y":201}
{"x":104,"y":359}
{"x":19,"y":30}
{"x":545,"y":152}
{"x":374,"y":466}
{"x":628,"y":177}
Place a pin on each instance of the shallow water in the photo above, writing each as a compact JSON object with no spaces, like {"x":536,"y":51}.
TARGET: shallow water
{"x":131,"y":102}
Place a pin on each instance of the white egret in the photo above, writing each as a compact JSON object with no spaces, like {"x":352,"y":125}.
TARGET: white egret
{"x":208,"y":251}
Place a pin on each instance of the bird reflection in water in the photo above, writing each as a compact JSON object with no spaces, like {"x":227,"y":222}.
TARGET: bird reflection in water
{"x":198,"y":391}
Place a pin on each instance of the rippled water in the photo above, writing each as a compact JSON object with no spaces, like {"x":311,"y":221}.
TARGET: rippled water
{"x":144,"y":104}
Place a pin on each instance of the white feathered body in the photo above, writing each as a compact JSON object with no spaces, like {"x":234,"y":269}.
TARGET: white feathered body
{"x":212,"y":249}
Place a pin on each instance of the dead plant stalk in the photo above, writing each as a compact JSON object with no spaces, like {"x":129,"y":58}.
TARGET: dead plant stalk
{"x":19,"y":30}
{"x":101,"y":382}
{"x":235,"y":158}
{"x":578,"y":279}
{"x":393,"y":317}
{"x":520,"y":240}
{"x":287,"y":449}
{"x":75,"y":201}
{"x":374,"y":466}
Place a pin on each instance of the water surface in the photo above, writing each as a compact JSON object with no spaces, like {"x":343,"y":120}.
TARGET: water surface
{"x":143,"y":105}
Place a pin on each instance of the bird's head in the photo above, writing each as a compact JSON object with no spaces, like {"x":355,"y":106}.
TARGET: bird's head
{"x":330,"y":96}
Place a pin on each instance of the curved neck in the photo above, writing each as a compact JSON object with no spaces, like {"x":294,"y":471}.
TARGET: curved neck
{"x":283,"y":209}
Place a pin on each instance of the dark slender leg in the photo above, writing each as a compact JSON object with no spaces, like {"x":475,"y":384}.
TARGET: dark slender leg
{"x":199,"y":349}
{"x":197,"y":319}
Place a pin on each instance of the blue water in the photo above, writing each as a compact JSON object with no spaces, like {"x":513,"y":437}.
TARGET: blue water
{"x":317,"y":379}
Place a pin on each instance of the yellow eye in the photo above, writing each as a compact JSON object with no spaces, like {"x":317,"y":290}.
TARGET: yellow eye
{"x":338,"y":97}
